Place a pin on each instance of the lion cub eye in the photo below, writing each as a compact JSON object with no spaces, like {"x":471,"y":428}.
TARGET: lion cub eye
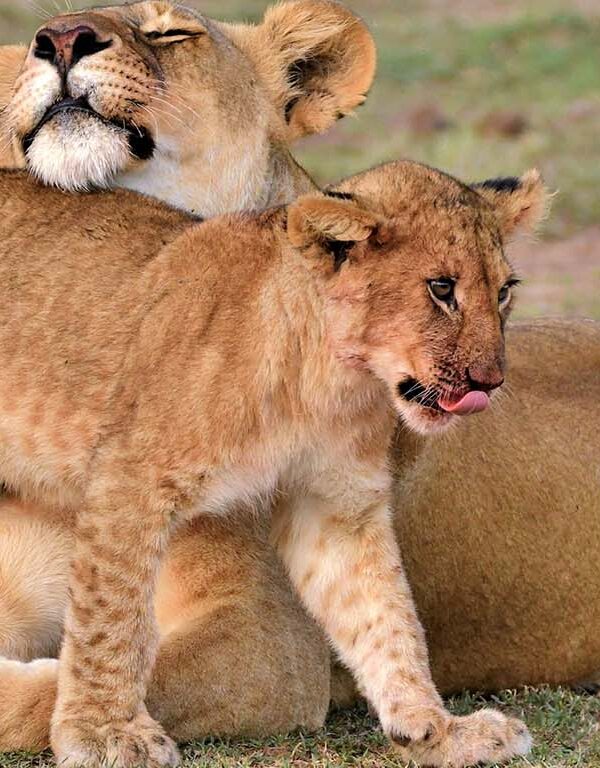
{"x":505,"y":293}
{"x":442,"y":289}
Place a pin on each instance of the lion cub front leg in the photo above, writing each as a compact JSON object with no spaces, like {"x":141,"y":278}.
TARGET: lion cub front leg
{"x":110,"y":638}
{"x":338,"y":543}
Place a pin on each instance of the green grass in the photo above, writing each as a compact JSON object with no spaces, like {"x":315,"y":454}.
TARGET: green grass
{"x":565,"y":727}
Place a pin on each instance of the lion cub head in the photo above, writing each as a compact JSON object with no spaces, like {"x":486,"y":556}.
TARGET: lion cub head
{"x":155,"y":97}
{"x":417,"y":285}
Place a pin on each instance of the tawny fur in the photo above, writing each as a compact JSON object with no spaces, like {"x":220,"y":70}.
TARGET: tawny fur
{"x":522,"y":614}
{"x":519,"y":615}
{"x":32,"y":589}
{"x":504,"y":509}
{"x":183,"y":370}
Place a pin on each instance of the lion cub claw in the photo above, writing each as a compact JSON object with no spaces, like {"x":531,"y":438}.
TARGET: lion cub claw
{"x":140,"y":743}
{"x":431,"y":738}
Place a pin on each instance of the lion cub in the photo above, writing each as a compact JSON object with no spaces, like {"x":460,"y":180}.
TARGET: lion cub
{"x":152,"y":371}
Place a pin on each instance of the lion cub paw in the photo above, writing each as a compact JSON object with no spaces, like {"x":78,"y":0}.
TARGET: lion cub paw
{"x":140,"y":743}
{"x":431,"y":737}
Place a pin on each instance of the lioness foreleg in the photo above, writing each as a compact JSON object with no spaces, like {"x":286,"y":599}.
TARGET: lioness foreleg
{"x":339,"y":546}
{"x":110,"y":636}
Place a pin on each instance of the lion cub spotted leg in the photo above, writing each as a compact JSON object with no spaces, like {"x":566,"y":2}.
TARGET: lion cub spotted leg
{"x":110,"y":639}
{"x":237,"y":661}
{"x":222,"y":597}
{"x":338,"y":543}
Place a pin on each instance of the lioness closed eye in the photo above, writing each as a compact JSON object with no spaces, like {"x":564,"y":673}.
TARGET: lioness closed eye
{"x":247,"y":356}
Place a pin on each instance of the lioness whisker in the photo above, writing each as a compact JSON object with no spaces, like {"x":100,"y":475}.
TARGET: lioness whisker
{"x":153,"y":116}
{"x":39,"y":10}
{"x":154,"y":97}
{"x":169,"y":116}
{"x":181,"y":101}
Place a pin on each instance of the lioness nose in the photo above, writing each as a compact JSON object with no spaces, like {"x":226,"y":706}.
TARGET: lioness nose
{"x":65,"y":45}
{"x":485,"y":377}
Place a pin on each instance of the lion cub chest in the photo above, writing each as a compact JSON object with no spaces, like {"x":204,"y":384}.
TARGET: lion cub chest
{"x":250,"y":481}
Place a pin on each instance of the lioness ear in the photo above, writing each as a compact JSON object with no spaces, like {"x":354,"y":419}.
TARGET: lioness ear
{"x":318,"y":59}
{"x":11,"y":61}
{"x":520,"y":203}
{"x":316,"y":218}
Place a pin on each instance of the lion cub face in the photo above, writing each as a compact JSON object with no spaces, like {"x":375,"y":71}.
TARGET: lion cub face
{"x":113,"y":90}
{"x":419,"y":288}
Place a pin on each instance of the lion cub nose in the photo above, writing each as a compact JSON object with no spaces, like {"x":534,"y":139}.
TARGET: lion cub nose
{"x":485,"y":377}
{"x":64,"y":45}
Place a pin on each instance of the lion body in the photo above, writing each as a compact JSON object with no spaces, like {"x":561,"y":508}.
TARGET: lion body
{"x":513,"y":614}
{"x":491,"y":621}
{"x":135,"y":420}
{"x":499,"y":522}
{"x":221,"y":581}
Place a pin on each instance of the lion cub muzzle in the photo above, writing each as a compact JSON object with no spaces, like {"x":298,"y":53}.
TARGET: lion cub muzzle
{"x":470,"y":395}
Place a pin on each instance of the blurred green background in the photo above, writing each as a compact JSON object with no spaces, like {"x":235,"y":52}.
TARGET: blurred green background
{"x":479,"y":88}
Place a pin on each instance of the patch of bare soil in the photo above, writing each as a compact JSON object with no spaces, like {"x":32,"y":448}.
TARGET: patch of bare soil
{"x":560,"y":277}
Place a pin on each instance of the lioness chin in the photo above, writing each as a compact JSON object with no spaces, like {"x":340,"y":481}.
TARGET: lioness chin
{"x":328,"y":311}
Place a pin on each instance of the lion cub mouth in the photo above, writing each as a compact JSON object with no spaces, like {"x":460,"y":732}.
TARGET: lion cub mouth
{"x":141,"y":143}
{"x":413,"y":391}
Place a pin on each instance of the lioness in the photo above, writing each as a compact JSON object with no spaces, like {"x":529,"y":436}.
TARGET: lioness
{"x":157,"y":98}
{"x":217,"y":106}
{"x":182,"y":369}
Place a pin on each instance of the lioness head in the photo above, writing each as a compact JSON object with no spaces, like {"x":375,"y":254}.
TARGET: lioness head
{"x":155,"y":97}
{"x":418,"y":288}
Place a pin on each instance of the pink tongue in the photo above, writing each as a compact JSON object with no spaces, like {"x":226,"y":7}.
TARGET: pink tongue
{"x":472,"y":402}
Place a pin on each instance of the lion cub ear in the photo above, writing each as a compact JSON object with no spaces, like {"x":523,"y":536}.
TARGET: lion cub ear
{"x":318,"y":59}
{"x":520,"y":203}
{"x":320,"y":219}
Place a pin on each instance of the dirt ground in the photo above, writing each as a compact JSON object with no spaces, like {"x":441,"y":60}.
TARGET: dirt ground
{"x":560,"y":277}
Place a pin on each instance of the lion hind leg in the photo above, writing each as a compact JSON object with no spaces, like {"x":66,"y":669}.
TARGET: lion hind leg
{"x":25,"y":713}
{"x":223,"y":674}
{"x":238,"y":656}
